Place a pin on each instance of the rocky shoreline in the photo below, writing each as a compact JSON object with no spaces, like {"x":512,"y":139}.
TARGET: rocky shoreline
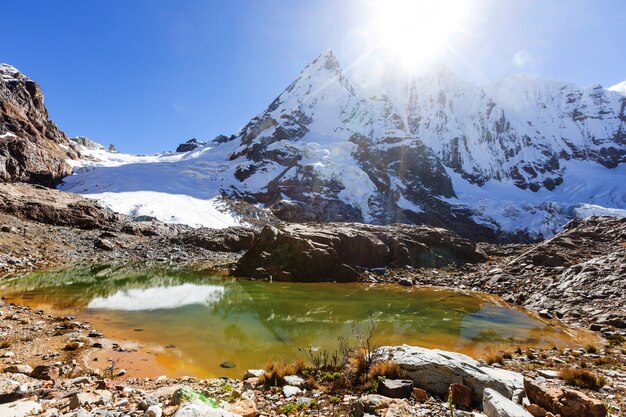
{"x":574,"y":277}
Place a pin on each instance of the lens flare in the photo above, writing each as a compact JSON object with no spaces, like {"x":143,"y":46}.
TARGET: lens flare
{"x":416,"y":32}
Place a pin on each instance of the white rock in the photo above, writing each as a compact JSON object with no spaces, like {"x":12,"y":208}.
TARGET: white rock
{"x":294,"y":380}
{"x":19,"y":408}
{"x":435,"y":370}
{"x":496,"y":405}
{"x":153,"y":411}
{"x":290,"y":391}
{"x":197,"y":409}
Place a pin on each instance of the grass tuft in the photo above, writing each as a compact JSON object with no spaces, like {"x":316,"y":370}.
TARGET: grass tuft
{"x":582,"y":378}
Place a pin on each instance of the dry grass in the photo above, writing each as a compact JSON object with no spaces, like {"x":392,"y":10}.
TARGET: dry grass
{"x":388,"y":370}
{"x":275,"y":372}
{"x":582,"y":378}
{"x":492,"y":358}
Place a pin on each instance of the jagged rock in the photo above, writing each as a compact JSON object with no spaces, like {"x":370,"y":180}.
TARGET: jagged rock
{"x":32,"y":148}
{"x":435,"y":370}
{"x":327,"y":252}
{"x":566,"y":402}
{"x":496,"y":405}
{"x":190,"y":145}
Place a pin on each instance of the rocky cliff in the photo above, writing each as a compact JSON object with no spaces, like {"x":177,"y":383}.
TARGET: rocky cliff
{"x":32,"y":148}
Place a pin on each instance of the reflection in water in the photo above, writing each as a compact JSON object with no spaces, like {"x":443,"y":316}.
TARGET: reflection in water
{"x":212,"y":319}
{"x":159,"y":298}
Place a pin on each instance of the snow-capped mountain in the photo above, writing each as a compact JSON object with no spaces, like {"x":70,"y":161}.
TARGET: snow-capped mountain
{"x":521,"y":155}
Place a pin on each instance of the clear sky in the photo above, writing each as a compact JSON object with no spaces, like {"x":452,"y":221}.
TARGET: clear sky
{"x":149,"y":74}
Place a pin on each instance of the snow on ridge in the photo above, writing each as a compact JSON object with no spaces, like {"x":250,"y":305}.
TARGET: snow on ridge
{"x":619,"y":87}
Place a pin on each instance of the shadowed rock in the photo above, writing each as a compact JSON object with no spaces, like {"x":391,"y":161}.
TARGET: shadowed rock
{"x":341,"y":251}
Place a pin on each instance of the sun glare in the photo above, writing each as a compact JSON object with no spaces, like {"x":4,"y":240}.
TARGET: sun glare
{"x":416,"y":32}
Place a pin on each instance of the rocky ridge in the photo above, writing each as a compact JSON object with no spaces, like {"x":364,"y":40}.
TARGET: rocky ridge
{"x":32,"y":148}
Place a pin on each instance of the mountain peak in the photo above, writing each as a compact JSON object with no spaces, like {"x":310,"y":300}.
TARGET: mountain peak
{"x":9,"y":72}
{"x":327,"y":61}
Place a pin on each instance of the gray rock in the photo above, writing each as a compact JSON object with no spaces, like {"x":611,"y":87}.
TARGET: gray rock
{"x":435,"y":370}
{"x":496,"y":405}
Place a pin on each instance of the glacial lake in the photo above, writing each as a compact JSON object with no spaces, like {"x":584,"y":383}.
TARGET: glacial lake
{"x":181,"y":322}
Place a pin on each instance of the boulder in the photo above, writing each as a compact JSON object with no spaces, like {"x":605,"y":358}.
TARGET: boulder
{"x":496,"y":405}
{"x":435,"y":370}
{"x":341,"y":251}
{"x":566,"y":402}
{"x":396,"y":388}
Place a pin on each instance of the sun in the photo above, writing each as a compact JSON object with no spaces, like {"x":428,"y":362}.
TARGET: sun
{"x":417,"y":32}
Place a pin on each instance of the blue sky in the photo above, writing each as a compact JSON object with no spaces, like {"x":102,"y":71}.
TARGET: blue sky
{"x":149,"y":74}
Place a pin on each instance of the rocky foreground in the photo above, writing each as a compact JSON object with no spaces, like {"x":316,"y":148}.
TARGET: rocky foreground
{"x":49,"y":376}
{"x":575,"y":277}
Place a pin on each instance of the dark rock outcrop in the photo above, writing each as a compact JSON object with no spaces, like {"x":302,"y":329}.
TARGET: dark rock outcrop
{"x":52,"y":207}
{"x":32,"y":148}
{"x":340,"y":251}
{"x":190,"y":145}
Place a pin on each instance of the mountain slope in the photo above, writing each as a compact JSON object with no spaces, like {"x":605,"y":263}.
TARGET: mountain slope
{"x":520,"y":156}
{"x":32,"y":148}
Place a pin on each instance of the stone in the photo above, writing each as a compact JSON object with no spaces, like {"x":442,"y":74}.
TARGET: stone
{"x":548,"y":373}
{"x":199,"y":409}
{"x":460,"y":395}
{"x":46,"y":372}
{"x":420,"y":395}
{"x":104,"y":244}
{"x":435,"y":370}
{"x":20,"y":408}
{"x":289,"y":391}
{"x":294,"y":380}
{"x":19,"y":369}
{"x":496,"y":405}
{"x":227,"y":364}
{"x":379,"y":405}
{"x":82,"y":399}
{"x":536,"y":411}
{"x":253,"y":373}
{"x":244,"y":408}
{"x":396,"y":388}
{"x":153,"y":411}
{"x":7,"y":354}
{"x":566,"y":402}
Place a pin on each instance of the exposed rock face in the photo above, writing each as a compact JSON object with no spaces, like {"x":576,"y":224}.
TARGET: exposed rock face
{"x":32,"y":148}
{"x":567,"y":403}
{"x":339,"y":252}
{"x":190,"y":145}
{"x":435,"y":370}
{"x":52,"y":207}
